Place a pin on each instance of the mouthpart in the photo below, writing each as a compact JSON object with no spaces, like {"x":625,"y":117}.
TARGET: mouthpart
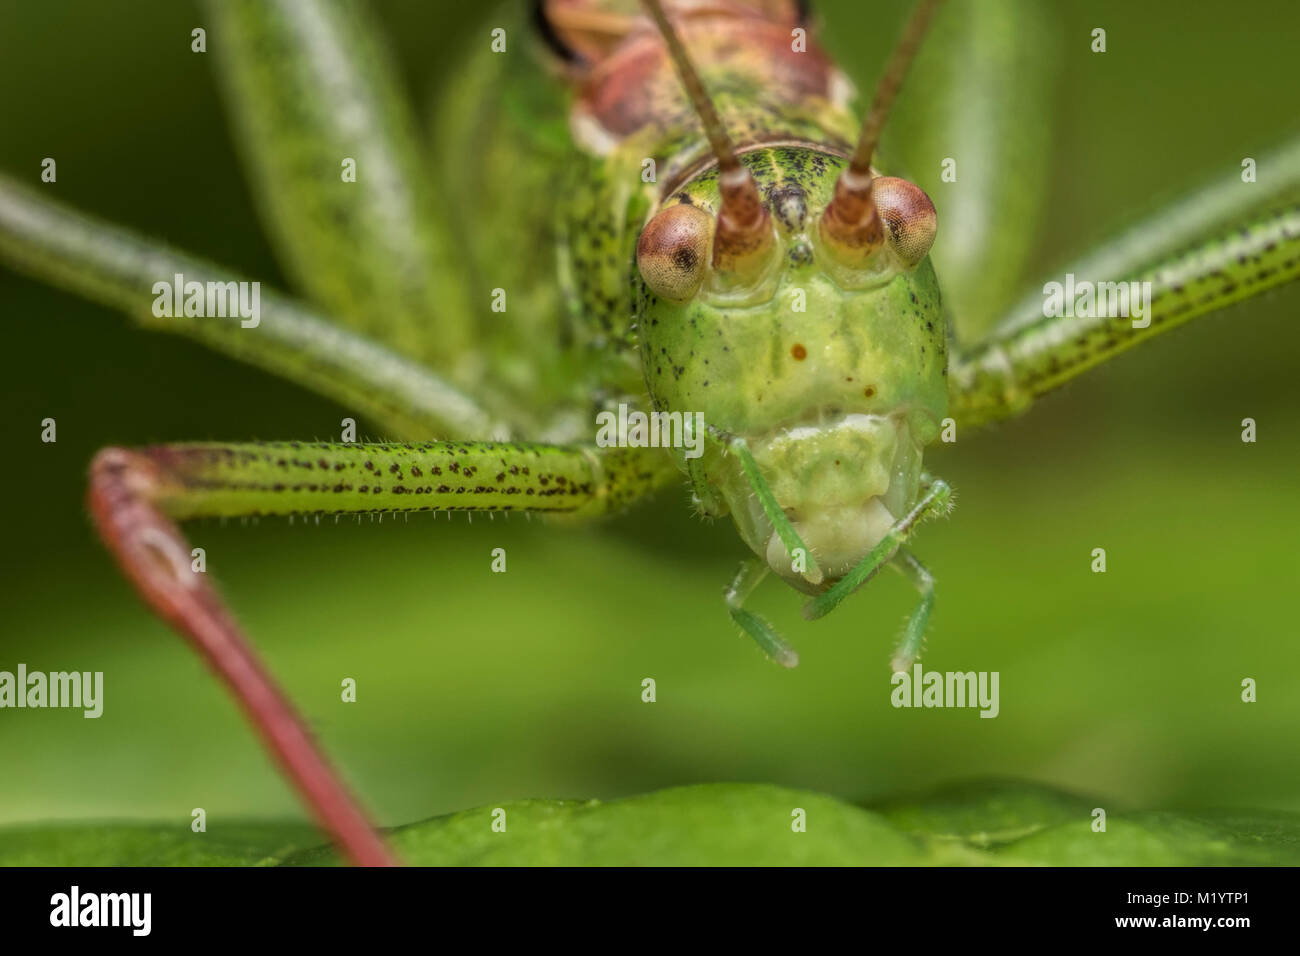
{"x":837,"y":537}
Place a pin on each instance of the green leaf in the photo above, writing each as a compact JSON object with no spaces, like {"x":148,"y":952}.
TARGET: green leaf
{"x":992,"y":823}
{"x":741,"y":824}
{"x":1166,"y":839}
{"x":151,"y":844}
{"x":986,"y":813}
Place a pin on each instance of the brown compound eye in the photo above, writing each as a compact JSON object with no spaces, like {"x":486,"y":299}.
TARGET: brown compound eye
{"x":908,"y":215}
{"x":673,"y":251}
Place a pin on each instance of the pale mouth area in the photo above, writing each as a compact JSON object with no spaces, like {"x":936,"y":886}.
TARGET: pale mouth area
{"x":842,"y":481}
{"x":838,"y":537}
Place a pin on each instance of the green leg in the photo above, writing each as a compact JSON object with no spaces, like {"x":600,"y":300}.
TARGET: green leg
{"x":909,"y":648}
{"x":935,"y":500}
{"x":119,"y":268}
{"x":283,"y":478}
{"x":707,"y":501}
{"x":751,"y":574}
{"x":307,"y":83}
{"x":1223,"y":245}
{"x":136,"y":496}
{"x":775,"y":514}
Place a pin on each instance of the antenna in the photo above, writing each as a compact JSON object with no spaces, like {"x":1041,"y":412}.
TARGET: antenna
{"x":719,"y":141}
{"x":891,"y":82}
{"x":851,"y":222}
{"x":744,"y":228}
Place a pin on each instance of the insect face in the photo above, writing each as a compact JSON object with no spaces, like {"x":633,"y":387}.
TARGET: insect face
{"x":827,"y":358}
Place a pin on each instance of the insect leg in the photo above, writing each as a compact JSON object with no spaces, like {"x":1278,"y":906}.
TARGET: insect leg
{"x":332,"y":146}
{"x":706,"y":499}
{"x":775,"y":514}
{"x":136,"y":496}
{"x":750,"y":575}
{"x":935,"y":500}
{"x":120,"y":269}
{"x":909,"y":648}
{"x":156,"y":560}
{"x":1199,"y":256}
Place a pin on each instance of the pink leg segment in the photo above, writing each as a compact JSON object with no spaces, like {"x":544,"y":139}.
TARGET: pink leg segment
{"x":155,"y":557}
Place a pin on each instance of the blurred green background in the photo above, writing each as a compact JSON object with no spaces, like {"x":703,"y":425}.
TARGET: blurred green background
{"x":477,"y":688}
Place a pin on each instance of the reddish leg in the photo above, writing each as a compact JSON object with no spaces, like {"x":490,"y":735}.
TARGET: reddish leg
{"x":125,"y":487}
{"x":136,"y":496}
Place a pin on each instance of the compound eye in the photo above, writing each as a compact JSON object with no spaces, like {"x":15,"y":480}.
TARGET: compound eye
{"x":908,"y":215}
{"x":673,"y":251}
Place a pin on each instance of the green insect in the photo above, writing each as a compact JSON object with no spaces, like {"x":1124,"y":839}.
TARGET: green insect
{"x":689,"y":235}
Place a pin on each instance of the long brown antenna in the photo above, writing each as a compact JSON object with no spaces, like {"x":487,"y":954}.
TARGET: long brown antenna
{"x":719,"y":141}
{"x":851,"y":223}
{"x":891,"y":82}
{"x":744,"y":229}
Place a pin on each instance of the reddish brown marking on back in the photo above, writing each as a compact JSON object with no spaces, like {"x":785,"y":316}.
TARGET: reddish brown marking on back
{"x":635,"y":85}
{"x":592,"y":29}
{"x":619,"y":93}
{"x":799,"y":352}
